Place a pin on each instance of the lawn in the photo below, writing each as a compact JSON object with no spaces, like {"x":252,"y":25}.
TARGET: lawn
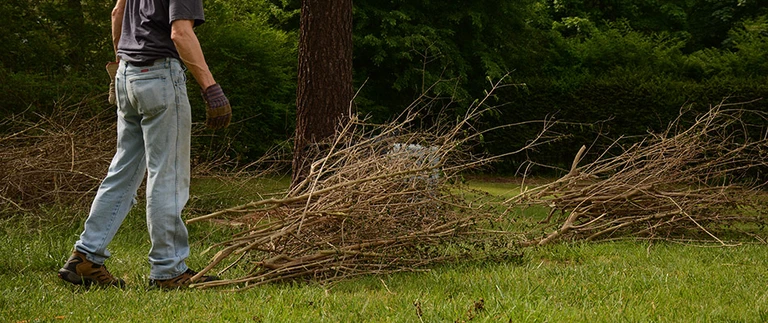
{"x":621,"y":281}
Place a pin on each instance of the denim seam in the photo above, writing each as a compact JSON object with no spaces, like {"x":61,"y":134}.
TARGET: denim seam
{"x":116,"y":209}
{"x":176,"y":163}
{"x":178,"y":94}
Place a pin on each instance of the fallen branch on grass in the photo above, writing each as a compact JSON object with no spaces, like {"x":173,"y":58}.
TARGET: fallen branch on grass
{"x":367,"y":206}
{"x":698,"y":178}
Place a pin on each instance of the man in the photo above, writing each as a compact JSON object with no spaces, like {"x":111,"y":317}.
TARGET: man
{"x":150,"y":38}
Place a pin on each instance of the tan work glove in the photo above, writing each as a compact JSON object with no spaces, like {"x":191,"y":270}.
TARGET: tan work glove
{"x":112,"y":71}
{"x":218,"y":113}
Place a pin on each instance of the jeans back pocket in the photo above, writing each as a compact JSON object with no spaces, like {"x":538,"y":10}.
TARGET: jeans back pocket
{"x":150,"y":94}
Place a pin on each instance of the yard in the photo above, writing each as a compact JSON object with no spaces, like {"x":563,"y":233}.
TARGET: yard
{"x":625,"y":280}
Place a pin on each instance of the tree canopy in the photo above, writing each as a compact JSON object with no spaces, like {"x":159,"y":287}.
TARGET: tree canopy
{"x":631,"y":63}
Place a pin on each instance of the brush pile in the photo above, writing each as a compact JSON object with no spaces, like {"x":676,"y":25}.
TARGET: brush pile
{"x":694,"y":180}
{"x":59,"y":158}
{"x":377,"y":199}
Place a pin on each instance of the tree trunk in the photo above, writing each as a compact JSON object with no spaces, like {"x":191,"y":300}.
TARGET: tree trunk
{"x":324,"y":89}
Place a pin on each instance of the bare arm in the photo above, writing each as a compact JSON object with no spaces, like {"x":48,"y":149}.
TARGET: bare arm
{"x":190,"y":52}
{"x":117,"y":24}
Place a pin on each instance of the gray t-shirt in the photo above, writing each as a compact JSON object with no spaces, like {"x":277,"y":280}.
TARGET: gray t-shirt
{"x":146,"y":34}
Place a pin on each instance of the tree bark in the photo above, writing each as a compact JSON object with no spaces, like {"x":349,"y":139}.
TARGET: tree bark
{"x":324,"y":89}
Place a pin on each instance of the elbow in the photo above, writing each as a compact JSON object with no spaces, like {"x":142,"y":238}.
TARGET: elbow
{"x":180,"y":31}
{"x":177,"y":35}
{"x":117,"y":13}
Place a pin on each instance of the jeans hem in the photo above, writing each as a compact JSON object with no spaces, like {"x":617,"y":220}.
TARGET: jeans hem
{"x":169,"y":276}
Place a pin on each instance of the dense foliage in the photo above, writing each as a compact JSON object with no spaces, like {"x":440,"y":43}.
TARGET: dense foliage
{"x":631,"y":64}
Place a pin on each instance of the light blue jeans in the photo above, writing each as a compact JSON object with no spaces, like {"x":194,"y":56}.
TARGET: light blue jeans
{"x":153,"y":136}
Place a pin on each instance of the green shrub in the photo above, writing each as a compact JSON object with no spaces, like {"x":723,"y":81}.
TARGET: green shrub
{"x":256,"y":67}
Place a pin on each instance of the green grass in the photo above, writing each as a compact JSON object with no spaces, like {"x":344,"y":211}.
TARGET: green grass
{"x":500,"y":189}
{"x":581,"y":282}
{"x":503,"y":187}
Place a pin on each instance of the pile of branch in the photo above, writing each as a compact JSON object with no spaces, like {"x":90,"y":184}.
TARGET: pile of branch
{"x":58,"y":158}
{"x":61,"y":157}
{"x":377,"y":199}
{"x":698,"y":178}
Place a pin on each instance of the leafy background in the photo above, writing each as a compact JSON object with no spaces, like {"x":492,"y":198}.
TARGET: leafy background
{"x":629,"y":65}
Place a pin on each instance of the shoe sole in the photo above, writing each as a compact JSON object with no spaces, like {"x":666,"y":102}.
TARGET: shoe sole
{"x":74,"y":278}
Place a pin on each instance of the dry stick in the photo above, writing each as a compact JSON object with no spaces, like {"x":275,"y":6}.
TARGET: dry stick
{"x":661,"y":224}
{"x":684,"y":150}
{"x":341,"y":195}
{"x":343,"y":254}
{"x":576,"y":160}
{"x":535,"y":142}
{"x":243,"y":280}
{"x":574,"y":214}
{"x":697,"y":223}
{"x":241,"y":247}
{"x":286,"y":230}
{"x":221,"y":255}
{"x":13,"y":203}
{"x":274,"y":274}
{"x":259,"y":229}
{"x":307,"y":195}
{"x":72,"y":141}
{"x":226,"y":252}
{"x":232,"y":264}
{"x":581,"y":226}
{"x":273,"y":200}
{"x":366,"y":141}
{"x":628,"y":223}
{"x":58,"y":171}
{"x":320,"y":172}
{"x":282,"y":232}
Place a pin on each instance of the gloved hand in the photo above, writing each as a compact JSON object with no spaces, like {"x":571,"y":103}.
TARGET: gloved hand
{"x":218,"y":113}
{"x":112,"y":71}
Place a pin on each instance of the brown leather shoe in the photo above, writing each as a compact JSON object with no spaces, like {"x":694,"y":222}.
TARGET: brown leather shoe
{"x":80,"y":271}
{"x":179,"y":281}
